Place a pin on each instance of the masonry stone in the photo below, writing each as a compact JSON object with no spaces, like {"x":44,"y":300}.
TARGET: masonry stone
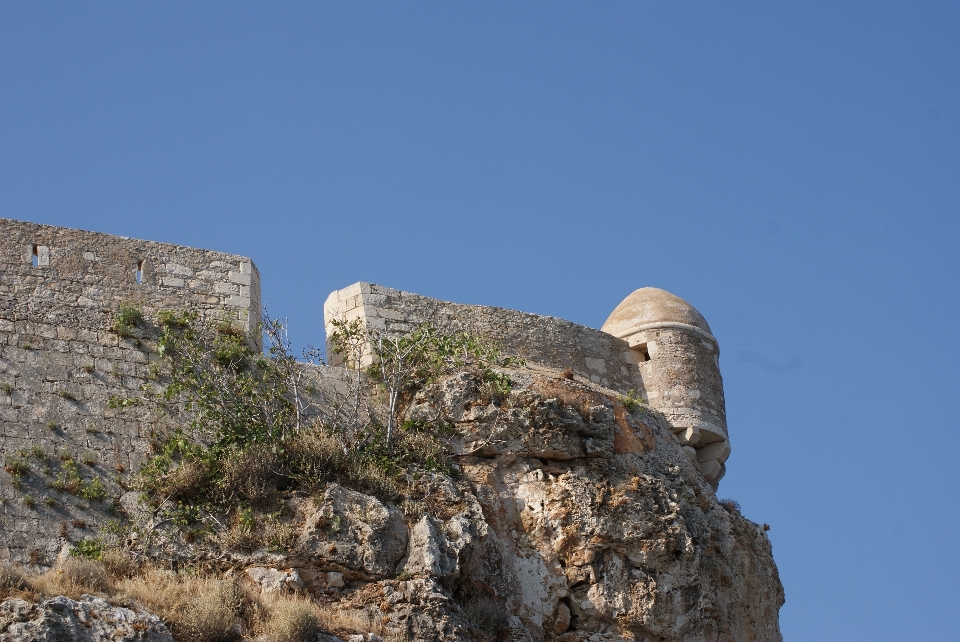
{"x":653,"y":344}
{"x":72,"y":386}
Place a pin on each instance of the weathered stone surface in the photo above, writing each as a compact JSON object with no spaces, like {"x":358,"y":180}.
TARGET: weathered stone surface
{"x":70,"y":383}
{"x":92,"y":619}
{"x":274,"y":581}
{"x":354,"y":532}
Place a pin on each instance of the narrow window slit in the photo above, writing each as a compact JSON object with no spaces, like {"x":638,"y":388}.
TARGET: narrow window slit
{"x":140,"y":271}
{"x":35,"y":258}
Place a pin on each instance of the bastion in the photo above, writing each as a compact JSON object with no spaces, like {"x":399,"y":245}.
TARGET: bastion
{"x":654,"y":345}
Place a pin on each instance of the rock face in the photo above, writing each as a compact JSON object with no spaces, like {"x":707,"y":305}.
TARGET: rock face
{"x":573,"y":519}
{"x":354,"y":532}
{"x":92,"y":619}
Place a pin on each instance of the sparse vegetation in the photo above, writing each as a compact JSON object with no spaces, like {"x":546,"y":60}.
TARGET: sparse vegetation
{"x":632,"y":400}
{"x":486,"y":614}
{"x":730,"y":504}
{"x":127,"y":319}
{"x":245,"y":439}
{"x":11,"y":580}
{"x":17,"y":468}
{"x":66,"y":394}
{"x":292,"y":620}
{"x":88,"y":548}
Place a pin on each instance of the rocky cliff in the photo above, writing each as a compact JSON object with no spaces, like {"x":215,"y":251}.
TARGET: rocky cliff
{"x":570,"y":516}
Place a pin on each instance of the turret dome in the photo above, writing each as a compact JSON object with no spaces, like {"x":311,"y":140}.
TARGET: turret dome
{"x":648,"y":306}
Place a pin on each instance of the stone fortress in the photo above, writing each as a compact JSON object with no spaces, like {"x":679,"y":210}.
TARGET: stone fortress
{"x":653,"y":343}
{"x":69,"y":384}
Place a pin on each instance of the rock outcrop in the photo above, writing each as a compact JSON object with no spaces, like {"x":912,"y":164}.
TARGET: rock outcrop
{"x":572,"y":519}
{"x":91,"y":619}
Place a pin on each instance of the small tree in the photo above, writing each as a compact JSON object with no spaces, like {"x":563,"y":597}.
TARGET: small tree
{"x":404,"y":362}
{"x":233,"y":393}
{"x":288,"y":368}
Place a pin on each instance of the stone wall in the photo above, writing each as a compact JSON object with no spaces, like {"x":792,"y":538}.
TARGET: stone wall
{"x":541,"y":340}
{"x":674,"y":370}
{"x":69,"y":386}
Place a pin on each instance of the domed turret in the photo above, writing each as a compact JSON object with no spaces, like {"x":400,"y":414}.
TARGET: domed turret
{"x":679,"y":364}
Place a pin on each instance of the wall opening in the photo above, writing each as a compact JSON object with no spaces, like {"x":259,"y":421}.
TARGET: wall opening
{"x":642,"y":351}
{"x":35,"y":258}
{"x":140,"y":271}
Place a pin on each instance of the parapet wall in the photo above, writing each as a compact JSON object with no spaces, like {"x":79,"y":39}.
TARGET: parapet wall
{"x":546,"y":341}
{"x":68,"y":385}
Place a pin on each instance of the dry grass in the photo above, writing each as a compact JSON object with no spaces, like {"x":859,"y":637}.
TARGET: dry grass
{"x":213,"y":616}
{"x":73,"y":578}
{"x":292,"y":620}
{"x":11,"y":580}
{"x":198,"y":608}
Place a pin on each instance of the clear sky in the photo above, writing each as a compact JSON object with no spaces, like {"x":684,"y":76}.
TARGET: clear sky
{"x":791,"y":169}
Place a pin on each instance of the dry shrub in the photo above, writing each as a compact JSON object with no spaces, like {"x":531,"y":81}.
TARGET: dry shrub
{"x":421,"y":446}
{"x":317,"y":455}
{"x":253,"y":476}
{"x":11,"y":580}
{"x":487,"y":614}
{"x":292,"y":620}
{"x":241,"y":537}
{"x":118,"y":564}
{"x":342,"y":620}
{"x":376,"y":481}
{"x":212,"y":616}
{"x":73,"y":578}
{"x":196,"y":608}
{"x":188,"y":481}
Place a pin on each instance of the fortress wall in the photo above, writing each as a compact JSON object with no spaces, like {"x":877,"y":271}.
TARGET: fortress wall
{"x":542,"y":340}
{"x":70,"y":385}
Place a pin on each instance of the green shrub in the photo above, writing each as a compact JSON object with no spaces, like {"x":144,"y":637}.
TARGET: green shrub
{"x":127,"y":319}
{"x":632,"y":400}
{"x":16,"y":467}
{"x":88,"y":548}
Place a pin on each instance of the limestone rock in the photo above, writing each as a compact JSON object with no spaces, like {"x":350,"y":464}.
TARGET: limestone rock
{"x":354,"y":532}
{"x":92,"y":619}
{"x":273,"y":581}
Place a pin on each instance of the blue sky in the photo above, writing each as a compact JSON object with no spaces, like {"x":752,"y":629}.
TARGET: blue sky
{"x":791,"y":169}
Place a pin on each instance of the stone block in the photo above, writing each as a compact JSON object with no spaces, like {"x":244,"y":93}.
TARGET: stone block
{"x":719,"y":450}
{"x":689,"y":436}
{"x":236,"y":301}
{"x":711,"y":432}
{"x":691,"y":454}
{"x":240,"y":278}
{"x":710,"y":469}
{"x":177,"y":269}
